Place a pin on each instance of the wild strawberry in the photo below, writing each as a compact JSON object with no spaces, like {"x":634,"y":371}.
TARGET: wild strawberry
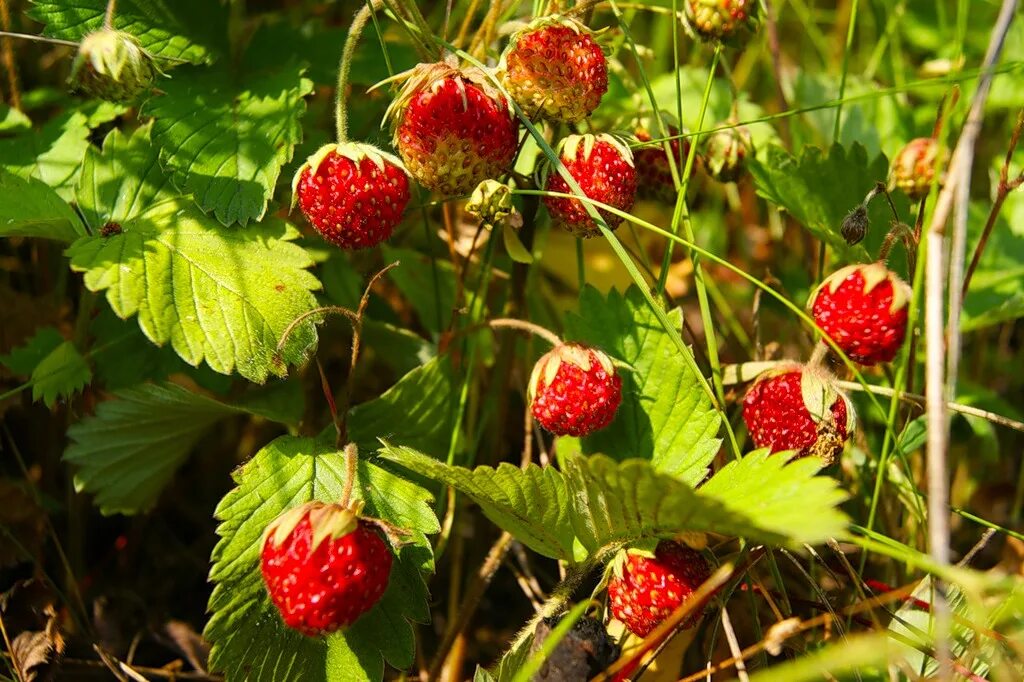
{"x":864,"y":309}
{"x":725,"y":152}
{"x":653,"y":172}
{"x":725,"y":20}
{"x":353,"y":194}
{"x":603,"y":167}
{"x":645,"y":589}
{"x":574,"y":390}
{"x":324,"y":567}
{"x":913,"y":168}
{"x":112,"y":66}
{"x":795,"y":407}
{"x":555,"y":69}
{"x":452,"y":129}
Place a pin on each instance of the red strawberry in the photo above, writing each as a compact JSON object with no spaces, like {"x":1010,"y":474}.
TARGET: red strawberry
{"x":913,"y":168}
{"x":864,"y":309}
{"x":555,"y":69}
{"x":452,"y":128}
{"x":603,"y":167}
{"x":654,"y":174}
{"x":646,"y":589}
{"x":353,"y":194}
{"x":574,"y":390}
{"x":324,"y":567}
{"x":725,"y":20}
{"x":794,"y":407}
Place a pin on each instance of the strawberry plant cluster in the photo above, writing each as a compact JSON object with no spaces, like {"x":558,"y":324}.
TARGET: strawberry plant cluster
{"x":350,"y":341}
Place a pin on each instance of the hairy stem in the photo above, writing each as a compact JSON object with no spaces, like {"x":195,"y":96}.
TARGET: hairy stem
{"x":355,"y":31}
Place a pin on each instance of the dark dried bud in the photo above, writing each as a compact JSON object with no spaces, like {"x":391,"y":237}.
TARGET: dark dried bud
{"x":855,"y":225}
{"x":110,"y":229}
{"x":583,"y":653}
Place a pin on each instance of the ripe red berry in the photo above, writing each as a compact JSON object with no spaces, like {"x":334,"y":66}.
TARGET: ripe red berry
{"x":648,"y":589}
{"x":353,"y":194}
{"x":574,"y":390}
{"x":555,"y":69}
{"x":724,"y":20}
{"x":323,"y":567}
{"x":453,"y":129}
{"x":864,"y":309}
{"x":913,"y":168}
{"x":653,"y":172}
{"x":793,"y":407}
{"x":603,"y":167}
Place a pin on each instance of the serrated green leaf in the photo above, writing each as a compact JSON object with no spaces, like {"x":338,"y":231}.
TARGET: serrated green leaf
{"x":665,"y":416}
{"x":55,"y":367}
{"x":12,"y":120}
{"x":29,"y":208}
{"x":224,"y":134}
{"x":190,"y":30}
{"x":249,"y":639}
{"x":24,"y":359}
{"x":52,"y":154}
{"x":128,"y":450}
{"x":818,"y":190}
{"x":597,"y":504}
{"x":223,"y":296}
{"x":418,"y":411}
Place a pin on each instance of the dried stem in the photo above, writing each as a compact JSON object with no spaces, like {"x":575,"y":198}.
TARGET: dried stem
{"x":351,"y":463}
{"x":108,"y":16}
{"x":523,"y":325}
{"x":734,"y":646}
{"x":7,"y":53}
{"x":937,"y":388}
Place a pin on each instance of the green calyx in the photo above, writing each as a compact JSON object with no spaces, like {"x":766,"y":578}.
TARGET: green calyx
{"x":112,"y":66}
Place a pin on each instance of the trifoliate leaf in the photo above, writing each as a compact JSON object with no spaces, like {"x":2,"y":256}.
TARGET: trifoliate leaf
{"x":223,"y":296}
{"x":55,"y":367}
{"x":29,"y":208}
{"x":52,"y":154}
{"x":249,"y":639}
{"x":819,"y":189}
{"x":598,"y":505}
{"x":665,"y":415}
{"x":190,"y":30}
{"x":224,"y":132}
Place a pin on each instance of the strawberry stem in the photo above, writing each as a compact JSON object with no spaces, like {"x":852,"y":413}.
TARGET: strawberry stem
{"x":108,"y":16}
{"x":523,"y":325}
{"x":355,"y":31}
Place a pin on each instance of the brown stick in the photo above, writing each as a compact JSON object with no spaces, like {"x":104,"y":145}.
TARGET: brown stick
{"x":7,"y":52}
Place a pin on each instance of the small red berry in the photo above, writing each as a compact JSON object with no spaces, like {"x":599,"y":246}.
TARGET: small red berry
{"x":353,"y":194}
{"x":453,"y":129}
{"x":648,"y":588}
{"x":864,"y":309}
{"x":324,"y":567}
{"x":794,"y":407}
{"x":603,"y":167}
{"x":555,"y":69}
{"x":574,"y":390}
{"x":653,"y":170}
{"x":914,"y":167}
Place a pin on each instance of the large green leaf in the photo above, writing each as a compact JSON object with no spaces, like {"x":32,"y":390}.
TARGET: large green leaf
{"x":249,"y":639}
{"x":127,"y":452}
{"x":52,"y":153}
{"x":190,"y":30}
{"x":29,"y":208}
{"x":223,"y":296}
{"x":819,"y":189}
{"x":56,"y":368}
{"x":225,"y":132}
{"x":598,"y":505}
{"x":665,"y":416}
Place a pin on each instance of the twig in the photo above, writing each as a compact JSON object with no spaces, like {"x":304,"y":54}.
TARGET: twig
{"x":1005,"y":187}
{"x":937,"y":388}
{"x":734,"y":646}
{"x":35,"y":38}
{"x":8,"y":56}
{"x":470,"y":601}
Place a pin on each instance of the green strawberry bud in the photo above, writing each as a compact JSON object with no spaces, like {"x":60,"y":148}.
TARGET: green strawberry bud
{"x":112,"y":65}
